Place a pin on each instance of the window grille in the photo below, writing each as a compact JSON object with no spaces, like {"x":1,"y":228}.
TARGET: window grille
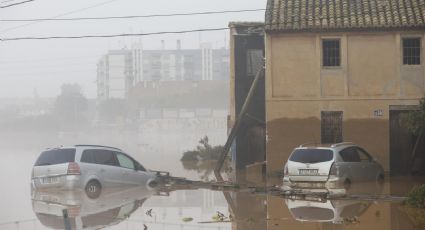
{"x":331,"y":127}
{"x":411,"y":51}
{"x":331,"y":52}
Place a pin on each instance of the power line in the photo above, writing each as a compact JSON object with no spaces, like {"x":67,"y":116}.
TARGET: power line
{"x":349,"y":16}
{"x":53,"y":59}
{"x":37,"y":74}
{"x":5,"y":1}
{"x":18,"y":3}
{"x":114,"y":35}
{"x":49,"y":67}
{"x":60,"y":15}
{"x":131,"y":16}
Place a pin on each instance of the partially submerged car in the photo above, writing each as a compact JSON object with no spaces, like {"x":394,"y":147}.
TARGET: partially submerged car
{"x":88,"y":167}
{"x":334,"y":166}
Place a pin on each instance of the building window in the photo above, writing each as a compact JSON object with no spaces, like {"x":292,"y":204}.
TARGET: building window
{"x":331,"y":52}
{"x":411,"y":51}
{"x":331,"y":127}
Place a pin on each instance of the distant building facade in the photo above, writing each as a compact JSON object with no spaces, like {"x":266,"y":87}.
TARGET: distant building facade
{"x":179,"y":64}
{"x":114,"y":74}
{"x":119,"y":70}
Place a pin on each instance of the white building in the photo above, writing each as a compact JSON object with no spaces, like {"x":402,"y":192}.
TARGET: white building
{"x":119,"y":70}
{"x":114,"y":74}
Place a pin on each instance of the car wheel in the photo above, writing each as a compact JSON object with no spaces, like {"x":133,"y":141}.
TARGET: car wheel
{"x":93,"y":189}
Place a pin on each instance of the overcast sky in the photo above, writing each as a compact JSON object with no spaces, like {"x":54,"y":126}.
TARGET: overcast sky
{"x":42,"y":66}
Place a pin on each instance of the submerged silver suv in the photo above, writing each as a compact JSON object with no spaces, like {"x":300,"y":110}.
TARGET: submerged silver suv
{"x":88,"y":167}
{"x":327,"y":167}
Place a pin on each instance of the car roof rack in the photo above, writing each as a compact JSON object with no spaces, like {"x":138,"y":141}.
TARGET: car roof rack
{"x":341,"y":143}
{"x":309,"y":144}
{"x":102,"y":146}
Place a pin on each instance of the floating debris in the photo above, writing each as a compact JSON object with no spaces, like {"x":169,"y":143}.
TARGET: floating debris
{"x":149,"y":212}
{"x":187,"y":219}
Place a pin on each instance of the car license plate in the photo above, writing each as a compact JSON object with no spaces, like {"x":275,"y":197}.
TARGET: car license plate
{"x":49,"y":198}
{"x":308,"y":171}
{"x":50,"y":180}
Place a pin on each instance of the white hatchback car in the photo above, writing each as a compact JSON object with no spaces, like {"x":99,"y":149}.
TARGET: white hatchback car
{"x":330,"y":167}
{"x":88,"y":167}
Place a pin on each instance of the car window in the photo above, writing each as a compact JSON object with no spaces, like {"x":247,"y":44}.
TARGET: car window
{"x":99,"y":156}
{"x":100,"y":219}
{"x":87,"y":156}
{"x":353,"y":210}
{"x":350,"y":155}
{"x":311,"y":155}
{"x":125,"y":161}
{"x":56,"y":156}
{"x":55,"y":222}
{"x":364,"y":156}
{"x":312,"y":213}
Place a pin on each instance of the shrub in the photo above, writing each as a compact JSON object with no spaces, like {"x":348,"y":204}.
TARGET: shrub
{"x":416,"y":197}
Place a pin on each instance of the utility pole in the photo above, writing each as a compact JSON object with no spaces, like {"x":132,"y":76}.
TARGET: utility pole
{"x":237,"y":124}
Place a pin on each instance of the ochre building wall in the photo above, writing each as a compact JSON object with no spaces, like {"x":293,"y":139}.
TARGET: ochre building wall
{"x":371,"y":77}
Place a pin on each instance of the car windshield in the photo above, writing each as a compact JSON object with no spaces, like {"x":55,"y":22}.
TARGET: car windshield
{"x":311,"y":155}
{"x":56,"y":156}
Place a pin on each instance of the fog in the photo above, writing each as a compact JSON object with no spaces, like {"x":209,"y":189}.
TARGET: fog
{"x":49,"y":92}
{"x":42,"y":66}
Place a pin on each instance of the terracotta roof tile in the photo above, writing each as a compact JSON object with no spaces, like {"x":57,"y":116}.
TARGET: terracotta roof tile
{"x":308,"y":15}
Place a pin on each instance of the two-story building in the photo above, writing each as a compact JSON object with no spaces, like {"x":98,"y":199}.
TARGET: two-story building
{"x":344,"y":70}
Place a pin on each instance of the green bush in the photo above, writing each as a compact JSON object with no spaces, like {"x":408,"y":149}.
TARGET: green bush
{"x":416,"y":197}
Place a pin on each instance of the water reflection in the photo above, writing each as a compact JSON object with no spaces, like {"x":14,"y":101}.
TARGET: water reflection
{"x":248,"y":211}
{"x":334,"y":211}
{"x":110,"y":208}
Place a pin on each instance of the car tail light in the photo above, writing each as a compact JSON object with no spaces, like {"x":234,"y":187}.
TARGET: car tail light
{"x":73,"y":169}
{"x":73,"y":211}
{"x":285,"y":170}
{"x":333,"y":171}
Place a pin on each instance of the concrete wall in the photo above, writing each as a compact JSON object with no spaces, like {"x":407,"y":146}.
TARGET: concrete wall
{"x":371,"y":77}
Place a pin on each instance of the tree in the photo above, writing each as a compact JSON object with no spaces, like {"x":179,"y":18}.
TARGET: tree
{"x":203,"y":159}
{"x":415,"y":121}
{"x":71,"y":105}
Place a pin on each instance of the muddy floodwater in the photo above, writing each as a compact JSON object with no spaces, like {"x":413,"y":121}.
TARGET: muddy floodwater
{"x":143,"y":208}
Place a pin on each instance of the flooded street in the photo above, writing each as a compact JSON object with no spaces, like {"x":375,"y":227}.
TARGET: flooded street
{"x":212,"y":115}
{"x":137,"y":207}
{"x":122,"y":208}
